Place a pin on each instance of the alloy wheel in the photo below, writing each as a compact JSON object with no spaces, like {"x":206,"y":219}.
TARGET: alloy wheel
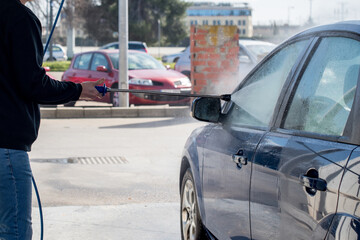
{"x":189,"y":214}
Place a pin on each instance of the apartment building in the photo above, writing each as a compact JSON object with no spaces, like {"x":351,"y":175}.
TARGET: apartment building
{"x":210,"y":13}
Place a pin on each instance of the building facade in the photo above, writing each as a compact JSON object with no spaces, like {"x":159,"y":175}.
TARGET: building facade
{"x":228,"y":14}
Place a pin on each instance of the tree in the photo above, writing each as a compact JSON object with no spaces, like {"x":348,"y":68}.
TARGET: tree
{"x":71,"y":12}
{"x":102,"y":20}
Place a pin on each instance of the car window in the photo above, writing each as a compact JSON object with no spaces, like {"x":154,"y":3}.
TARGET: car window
{"x":83,"y":61}
{"x":99,"y":60}
{"x":113,"y":46}
{"x":56,"y":49}
{"x":324,"y":96}
{"x":243,"y":56}
{"x":254,"y":103}
{"x":136,"y":46}
{"x":260,"y":50}
{"x":137,"y":61}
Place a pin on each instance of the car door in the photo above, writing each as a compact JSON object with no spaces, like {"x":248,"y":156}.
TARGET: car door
{"x":346,"y":223}
{"x":99,"y":60}
{"x":299,"y":165}
{"x":230,"y":146}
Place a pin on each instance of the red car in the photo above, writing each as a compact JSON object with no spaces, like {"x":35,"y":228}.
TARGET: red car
{"x":145,"y":73}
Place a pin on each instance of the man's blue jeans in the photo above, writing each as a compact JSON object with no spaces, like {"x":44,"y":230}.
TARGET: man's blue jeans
{"x":15,"y":195}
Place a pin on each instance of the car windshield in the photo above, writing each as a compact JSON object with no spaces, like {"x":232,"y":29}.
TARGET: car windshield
{"x":260,"y":50}
{"x":137,"y":61}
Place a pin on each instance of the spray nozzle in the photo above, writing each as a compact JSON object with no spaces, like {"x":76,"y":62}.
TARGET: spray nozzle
{"x":102,"y":89}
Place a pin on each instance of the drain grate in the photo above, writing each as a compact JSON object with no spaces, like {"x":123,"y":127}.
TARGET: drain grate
{"x":99,"y":160}
{"x":85,"y":160}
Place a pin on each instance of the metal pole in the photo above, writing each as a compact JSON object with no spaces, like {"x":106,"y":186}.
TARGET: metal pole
{"x":47,"y":19}
{"x":123,"y":52}
{"x":310,"y":15}
{"x":51,"y":23}
{"x":159,"y":36}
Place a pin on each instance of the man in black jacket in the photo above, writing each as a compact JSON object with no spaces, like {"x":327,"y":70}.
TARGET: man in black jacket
{"x":23,"y":86}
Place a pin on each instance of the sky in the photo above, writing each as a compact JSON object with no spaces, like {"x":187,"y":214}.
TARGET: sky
{"x":297,"y":12}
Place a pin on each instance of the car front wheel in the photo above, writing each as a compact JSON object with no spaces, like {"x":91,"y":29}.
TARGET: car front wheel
{"x":191,"y":225}
{"x":114,"y":97}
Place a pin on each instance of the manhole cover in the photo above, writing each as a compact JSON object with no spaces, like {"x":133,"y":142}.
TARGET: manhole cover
{"x":85,"y":160}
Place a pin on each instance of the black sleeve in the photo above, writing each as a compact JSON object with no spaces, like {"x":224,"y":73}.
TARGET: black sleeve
{"x":30,"y":78}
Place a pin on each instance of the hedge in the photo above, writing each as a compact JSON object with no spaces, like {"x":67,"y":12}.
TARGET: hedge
{"x":57,"y":66}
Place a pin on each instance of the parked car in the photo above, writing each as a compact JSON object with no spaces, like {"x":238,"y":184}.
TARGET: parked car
{"x":145,"y":73}
{"x":133,"y":45}
{"x":172,"y":58}
{"x":58,"y":53}
{"x":251,"y":52}
{"x":281,"y":160}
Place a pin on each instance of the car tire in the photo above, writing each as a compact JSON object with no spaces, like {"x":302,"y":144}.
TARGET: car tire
{"x":190,"y":221}
{"x":114,"y":99}
{"x":70,"y":104}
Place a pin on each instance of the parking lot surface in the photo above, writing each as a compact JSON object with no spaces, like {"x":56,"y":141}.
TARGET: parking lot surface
{"x":109,"y":178}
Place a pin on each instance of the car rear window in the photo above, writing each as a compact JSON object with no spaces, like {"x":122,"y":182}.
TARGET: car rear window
{"x":135,"y":46}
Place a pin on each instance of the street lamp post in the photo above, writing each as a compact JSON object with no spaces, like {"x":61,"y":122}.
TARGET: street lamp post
{"x":123,"y":52}
{"x":51,"y":23}
{"x":159,"y":36}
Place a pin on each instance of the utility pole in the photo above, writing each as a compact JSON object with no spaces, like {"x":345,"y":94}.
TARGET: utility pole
{"x":123,"y":52}
{"x":310,"y":15}
{"x":288,"y":20}
{"x":159,"y":35}
{"x":51,"y":23}
{"x":342,"y":11}
{"x":47,"y":19}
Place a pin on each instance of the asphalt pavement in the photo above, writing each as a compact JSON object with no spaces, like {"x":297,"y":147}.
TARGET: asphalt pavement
{"x":154,"y":221}
{"x":109,"y":178}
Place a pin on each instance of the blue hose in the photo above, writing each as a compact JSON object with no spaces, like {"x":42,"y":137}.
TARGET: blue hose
{"x":32,"y":177}
{"x":54,"y":25}
{"x":40,"y":209}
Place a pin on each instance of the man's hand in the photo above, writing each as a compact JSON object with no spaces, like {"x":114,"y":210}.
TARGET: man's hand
{"x":89,"y":91}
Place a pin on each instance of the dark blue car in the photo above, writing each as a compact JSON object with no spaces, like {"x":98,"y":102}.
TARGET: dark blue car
{"x":281,"y":160}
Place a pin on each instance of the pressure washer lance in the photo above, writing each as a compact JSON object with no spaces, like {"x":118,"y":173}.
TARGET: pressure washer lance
{"x":103,"y":90}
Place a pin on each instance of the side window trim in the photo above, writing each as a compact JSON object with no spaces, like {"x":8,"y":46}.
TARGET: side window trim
{"x":352,"y":131}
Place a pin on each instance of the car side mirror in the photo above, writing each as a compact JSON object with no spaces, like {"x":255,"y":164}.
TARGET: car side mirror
{"x":206,"y":109}
{"x":168,"y":67}
{"x":101,"y":68}
{"x":47,"y":69}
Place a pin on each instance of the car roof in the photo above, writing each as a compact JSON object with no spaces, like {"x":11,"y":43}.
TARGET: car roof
{"x":345,"y":26}
{"x":107,"y":51}
{"x":248,"y":42}
{"x":129,"y":42}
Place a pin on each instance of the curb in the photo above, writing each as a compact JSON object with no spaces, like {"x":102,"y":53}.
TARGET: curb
{"x":113,"y":112}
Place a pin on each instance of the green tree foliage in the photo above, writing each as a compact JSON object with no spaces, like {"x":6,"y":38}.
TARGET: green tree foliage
{"x":102,"y":20}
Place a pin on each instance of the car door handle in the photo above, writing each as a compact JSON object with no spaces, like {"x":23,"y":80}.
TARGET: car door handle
{"x":314,"y":183}
{"x":239,"y":159}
